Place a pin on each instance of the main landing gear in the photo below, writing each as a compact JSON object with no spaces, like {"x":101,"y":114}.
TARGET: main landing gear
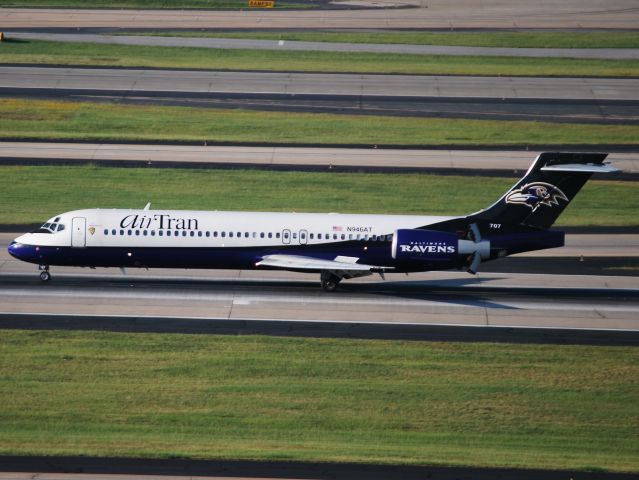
{"x":45,"y":276}
{"x":329,"y":281}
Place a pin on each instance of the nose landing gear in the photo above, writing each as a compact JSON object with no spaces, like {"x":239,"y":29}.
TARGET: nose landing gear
{"x":45,"y":276}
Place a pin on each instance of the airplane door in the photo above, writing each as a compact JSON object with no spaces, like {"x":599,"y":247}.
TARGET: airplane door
{"x":79,"y":232}
{"x":286,"y":236}
{"x":303,"y":237}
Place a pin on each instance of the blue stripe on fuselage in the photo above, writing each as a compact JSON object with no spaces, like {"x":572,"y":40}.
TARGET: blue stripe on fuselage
{"x":210,"y":257}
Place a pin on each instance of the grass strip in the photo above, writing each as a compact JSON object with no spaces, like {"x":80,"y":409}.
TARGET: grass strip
{"x":266,"y":398}
{"x":33,"y":194}
{"x":150,"y":4}
{"x":471,"y":39}
{"x":23,"y":118}
{"x":62,"y":53}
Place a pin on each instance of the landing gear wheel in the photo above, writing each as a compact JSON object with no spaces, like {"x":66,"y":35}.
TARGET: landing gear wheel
{"x":45,"y":276}
{"x":329,"y":282}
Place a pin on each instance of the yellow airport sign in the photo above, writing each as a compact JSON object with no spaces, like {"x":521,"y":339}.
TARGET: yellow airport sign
{"x":261,"y":3}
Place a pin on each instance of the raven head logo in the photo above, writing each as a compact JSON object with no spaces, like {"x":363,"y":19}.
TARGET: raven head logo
{"x":534,"y":194}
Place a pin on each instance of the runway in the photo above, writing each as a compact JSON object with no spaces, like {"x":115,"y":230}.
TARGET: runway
{"x":575,"y":100}
{"x":510,"y":163}
{"x":285,"y":83}
{"x":235,"y":43}
{"x":503,"y":300}
{"x":491,"y":300}
{"x":434,"y":14}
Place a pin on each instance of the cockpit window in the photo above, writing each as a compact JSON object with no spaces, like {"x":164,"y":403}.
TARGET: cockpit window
{"x":50,"y":227}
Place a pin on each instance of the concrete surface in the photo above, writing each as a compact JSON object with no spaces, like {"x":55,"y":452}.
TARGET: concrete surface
{"x":233,"y":43}
{"x":515,"y":161}
{"x":432,"y":298}
{"x":132,"y":80}
{"x":431,"y":14}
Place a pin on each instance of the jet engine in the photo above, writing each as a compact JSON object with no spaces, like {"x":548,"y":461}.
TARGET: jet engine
{"x":434,"y":246}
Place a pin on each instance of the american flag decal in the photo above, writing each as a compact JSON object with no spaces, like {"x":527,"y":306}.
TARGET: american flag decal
{"x":337,"y":229}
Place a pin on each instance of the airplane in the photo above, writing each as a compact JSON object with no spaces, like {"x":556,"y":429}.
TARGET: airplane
{"x":337,"y":246}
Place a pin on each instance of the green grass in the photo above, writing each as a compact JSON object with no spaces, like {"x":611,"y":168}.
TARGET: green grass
{"x":152,"y":395}
{"x":33,"y":194}
{"x":143,"y":4}
{"x":98,"y":121}
{"x":40,"y":52}
{"x":474,"y":39}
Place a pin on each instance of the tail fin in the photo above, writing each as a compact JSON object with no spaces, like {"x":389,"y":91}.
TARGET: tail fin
{"x":541,"y":195}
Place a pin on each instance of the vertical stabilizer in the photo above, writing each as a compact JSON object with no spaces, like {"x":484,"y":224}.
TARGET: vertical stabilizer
{"x":545,"y":191}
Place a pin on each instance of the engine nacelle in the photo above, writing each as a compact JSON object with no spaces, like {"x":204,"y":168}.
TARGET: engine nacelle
{"x":424,"y":245}
{"x":434,"y":246}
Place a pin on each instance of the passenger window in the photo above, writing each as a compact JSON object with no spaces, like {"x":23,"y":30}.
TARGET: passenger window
{"x":153,"y":233}
{"x":350,"y":236}
{"x":160,"y":233}
{"x":230,"y":234}
{"x":270,"y":235}
{"x":343,"y":236}
{"x":311,"y":236}
{"x":295,"y":235}
{"x":137,"y":232}
{"x":121,"y":232}
{"x":261,"y":234}
{"x":106,"y":232}
{"x":223,"y":234}
{"x":144,"y":232}
{"x":184,"y":233}
{"x":113,"y":232}
{"x":277,"y":235}
{"x":246,"y":234}
{"x":192,"y":233}
{"x":286,"y":235}
{"x":335,"y":236}
{"x":215,"y":234}
{"x":129,"y":232}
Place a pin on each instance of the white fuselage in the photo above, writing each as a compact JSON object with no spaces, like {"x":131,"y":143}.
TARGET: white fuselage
{"x":197,"y":229}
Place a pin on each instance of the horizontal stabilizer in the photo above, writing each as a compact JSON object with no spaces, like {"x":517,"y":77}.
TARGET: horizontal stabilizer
{"x":581,"y":167}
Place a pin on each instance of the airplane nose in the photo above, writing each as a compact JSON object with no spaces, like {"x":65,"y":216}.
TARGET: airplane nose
{"x":13,"y":249}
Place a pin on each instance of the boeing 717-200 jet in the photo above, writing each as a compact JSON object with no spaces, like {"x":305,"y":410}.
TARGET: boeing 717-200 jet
{"x":337,"y":246}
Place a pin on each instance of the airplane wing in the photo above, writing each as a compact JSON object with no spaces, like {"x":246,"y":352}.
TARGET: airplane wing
{"x":344,"y":266}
